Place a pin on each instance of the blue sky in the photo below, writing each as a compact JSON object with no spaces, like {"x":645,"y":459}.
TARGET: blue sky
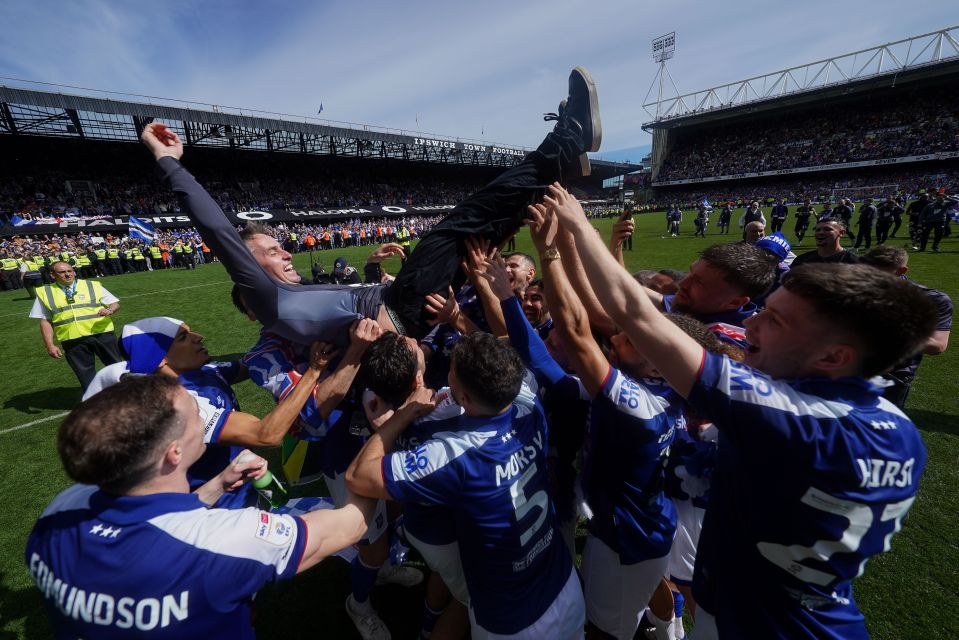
{"x":482,"y":70}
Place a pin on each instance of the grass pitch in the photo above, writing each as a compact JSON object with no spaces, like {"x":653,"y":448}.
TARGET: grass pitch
{"x":908,"y":593}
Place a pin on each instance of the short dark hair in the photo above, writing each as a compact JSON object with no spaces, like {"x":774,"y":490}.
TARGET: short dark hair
{"x":890,"y":317}
{"x":528,"y":259}
{"x":745,"y":266}
{"x":836,"y":220}
{"x":538,"y":282}
{"x":885,"y":257}
{"x":695,"y":330}
{"x":111,"y":439}
{"x":489,"y":368}
{"x":253,"y":229}
{"x":675,"y":274}
{"x":388,"y":368}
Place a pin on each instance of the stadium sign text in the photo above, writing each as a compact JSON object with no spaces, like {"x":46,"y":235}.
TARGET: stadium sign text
{"x":466,"y":146}
{"x":825,"y":167}
{"x":120,"y":224}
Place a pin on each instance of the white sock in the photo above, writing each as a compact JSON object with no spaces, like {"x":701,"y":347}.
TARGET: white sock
{"x":662,"y":628}
{"x":679,"y":632}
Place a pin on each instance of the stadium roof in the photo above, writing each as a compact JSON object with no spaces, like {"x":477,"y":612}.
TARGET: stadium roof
{"x":25,"y":111}
{"x":931,"y":55}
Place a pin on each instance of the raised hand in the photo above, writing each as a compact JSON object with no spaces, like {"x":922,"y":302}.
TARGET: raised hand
{"x":363,"y":333}
{"x":494,"y":272}
{"x":563,"y":204}
{"x":162,"y":141}
{"x":444,"y":309}
{"x":320,"y":355}
{"x":542,"y":226}
{"x":385,"y":251}
{"x":622,"y":230}
{"x":420,"y":402}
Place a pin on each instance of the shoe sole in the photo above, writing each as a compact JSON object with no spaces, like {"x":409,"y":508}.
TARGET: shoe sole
{"x":595,"y":124}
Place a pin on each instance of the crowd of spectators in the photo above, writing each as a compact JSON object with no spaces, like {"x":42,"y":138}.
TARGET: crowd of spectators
{"x":54,"y":196}
{"x":887,"y":127}
{"x":906,"y":182}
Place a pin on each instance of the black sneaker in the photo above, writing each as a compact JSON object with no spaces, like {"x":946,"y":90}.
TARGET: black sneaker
{"x":578,"y":114}
{"x":582,"y":107}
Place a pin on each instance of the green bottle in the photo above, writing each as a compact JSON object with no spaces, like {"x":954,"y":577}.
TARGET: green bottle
{"x":272,"y":490}
{"x":268,"y":486}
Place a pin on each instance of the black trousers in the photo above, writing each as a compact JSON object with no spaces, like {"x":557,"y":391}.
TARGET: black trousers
{"x":865,"y":233}
{"x":882,"y":233}
{"x":81,"y":355}
{"x":936,"y":230}
{"x":304,"y":313}
{"x":494,"y":212}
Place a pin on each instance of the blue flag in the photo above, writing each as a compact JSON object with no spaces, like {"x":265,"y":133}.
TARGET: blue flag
{"x":141,"y":230}
{"x":17,"y":221}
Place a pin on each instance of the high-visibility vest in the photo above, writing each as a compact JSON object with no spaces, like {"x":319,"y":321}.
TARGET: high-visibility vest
{"x":113,"y":253}
{"x":155,"y":253}
{"x":40,"y":260}
{"x":178,"y":248}
{"x":138,"y":255}
{"x":79,"y":319}
{"x":100,"y":253}
{"x":32,"y":266}
{"x":188,"y":248}
{"x":9,"y":264}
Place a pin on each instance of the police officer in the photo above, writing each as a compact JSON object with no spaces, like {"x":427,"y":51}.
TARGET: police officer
{"x":188,"y":255}
{"x":77,"y":313}
{"x":113,"y":260}
{"x":9,"y":272}
{"x":156,"y":256}
{"x":30,"y":274}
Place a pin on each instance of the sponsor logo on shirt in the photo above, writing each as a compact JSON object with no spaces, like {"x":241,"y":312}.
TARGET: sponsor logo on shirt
{"x":273,"y":529}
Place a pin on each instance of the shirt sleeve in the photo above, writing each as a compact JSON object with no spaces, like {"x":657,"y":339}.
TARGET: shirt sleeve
{"x":242,"y":549}
{"x":428,"y":474}
{"x":756,"y":411}
{"x":213,"y":414}
{"x":529,"y":345}
{"x":107,"y":297}
{"x":38,"y":311}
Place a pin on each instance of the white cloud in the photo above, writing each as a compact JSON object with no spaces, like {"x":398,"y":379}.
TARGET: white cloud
{"x":462,"y":68}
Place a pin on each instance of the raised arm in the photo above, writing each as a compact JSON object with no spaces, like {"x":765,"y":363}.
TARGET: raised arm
{"x":569,"y":315}
{"x":677,"y":356}
{"x":258,"y":290}
{"x":246,"y":429}
{"x":365,"y":474}
{"x":522,"y":335}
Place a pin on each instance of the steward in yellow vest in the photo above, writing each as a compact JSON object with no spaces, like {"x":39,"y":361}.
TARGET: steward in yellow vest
{"x":77,"y":314}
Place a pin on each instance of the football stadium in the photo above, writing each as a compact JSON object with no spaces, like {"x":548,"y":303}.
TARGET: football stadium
{"x":849,"y":164}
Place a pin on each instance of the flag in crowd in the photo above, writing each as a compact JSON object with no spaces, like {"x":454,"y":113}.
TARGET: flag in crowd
{"x":141,"y":230}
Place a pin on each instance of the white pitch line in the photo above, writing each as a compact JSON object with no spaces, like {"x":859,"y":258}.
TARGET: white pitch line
{"x":35,"y":422}
{"x":149,"y":293}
